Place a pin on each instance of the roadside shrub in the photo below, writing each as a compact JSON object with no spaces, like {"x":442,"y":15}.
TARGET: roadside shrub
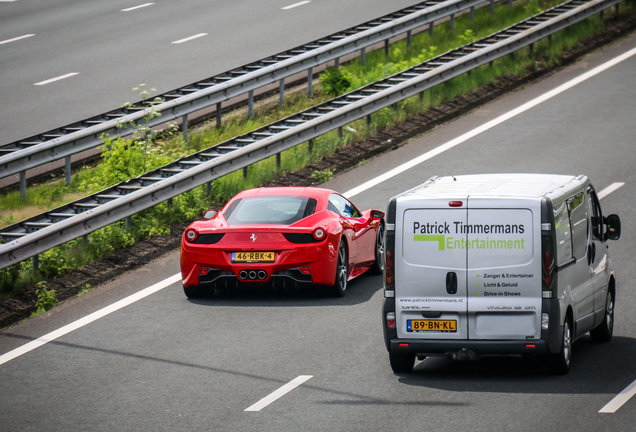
{"x":334,"y":82}
{"x":46,"y":299}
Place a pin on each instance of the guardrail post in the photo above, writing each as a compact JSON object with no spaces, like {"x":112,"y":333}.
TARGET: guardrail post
{"x":363,"y":56}
{"x":310,"y":145}
{"x":386,"y":47}
{"x":250,"y":104}
{"x":184,"y":127}
{"x":67,"y":170}
{"x":492,"y":7}
{"x":278,"y":162}
{"x":310,"y":82}
{"x":23,"y":185}
{"x":208,"y":188}
{"x":245,"y":172}
{"x":36,"y":263}
{"x":616,"y":12}
{"x":170,"y":203}
{"x":408,"y":39}
{"x":472,"y":14}
{"x":85,"y":239}
{"x":128,"y":223}
{"x":452,"y":22}
{"x":219,"y":113}
{"x":431,"y":28}
{"x":337,"y":63}
{"x":368,"y":119}
{"x":340,"y":132}
{"x":281,"y":91}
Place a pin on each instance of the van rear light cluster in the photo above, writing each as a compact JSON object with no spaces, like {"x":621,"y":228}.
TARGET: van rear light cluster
{"x":545,"y":321}
{"x":388,"y":269}
{"x":548,"y":265}
{"x":390,"y":320}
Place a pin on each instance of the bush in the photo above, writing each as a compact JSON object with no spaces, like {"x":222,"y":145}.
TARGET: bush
{"x":334,"y":82}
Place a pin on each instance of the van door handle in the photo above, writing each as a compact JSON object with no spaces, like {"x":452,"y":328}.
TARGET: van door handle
{"x":451,"y":283}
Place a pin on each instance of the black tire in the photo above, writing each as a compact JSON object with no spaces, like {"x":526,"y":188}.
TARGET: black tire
{"x":560,"y":362}
{"x":604,"y":331}
{"x":342,"y":271}
{"x":402,"y":362}
{"x":197,"y":292}
{"x":378,"y":264}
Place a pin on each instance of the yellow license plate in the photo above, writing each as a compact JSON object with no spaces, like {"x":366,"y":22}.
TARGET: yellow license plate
{"x":253,"y":257}
{"x":431,"y":325}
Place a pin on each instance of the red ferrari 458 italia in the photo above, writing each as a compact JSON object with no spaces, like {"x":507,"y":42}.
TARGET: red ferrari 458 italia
{"x":287,"y":237}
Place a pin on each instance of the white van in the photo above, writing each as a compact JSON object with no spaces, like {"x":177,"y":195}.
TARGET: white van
{"x":497,"y":264}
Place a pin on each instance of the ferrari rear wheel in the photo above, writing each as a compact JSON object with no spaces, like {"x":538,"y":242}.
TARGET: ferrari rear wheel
{"x":378,"y":265}
{"x":342,"y":271}
{"x":196,"y":291}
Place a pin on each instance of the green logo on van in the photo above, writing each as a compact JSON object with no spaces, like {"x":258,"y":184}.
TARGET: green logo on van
{"x":438,"y":238}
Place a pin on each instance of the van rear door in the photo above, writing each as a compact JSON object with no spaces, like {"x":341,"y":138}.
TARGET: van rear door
{"x":503,"y":268}
{"x":431,"y":284}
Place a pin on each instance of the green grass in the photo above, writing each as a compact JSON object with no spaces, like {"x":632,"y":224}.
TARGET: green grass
{"x":128,"y":159}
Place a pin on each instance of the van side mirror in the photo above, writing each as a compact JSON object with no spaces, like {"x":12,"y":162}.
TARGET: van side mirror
{"x":209,"y":214}
{"x":613,"y":231}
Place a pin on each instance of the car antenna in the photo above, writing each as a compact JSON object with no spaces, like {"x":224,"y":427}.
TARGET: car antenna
{"x":454,"y":179}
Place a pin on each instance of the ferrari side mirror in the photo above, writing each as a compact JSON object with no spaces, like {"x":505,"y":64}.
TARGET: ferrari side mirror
{"x":209,"y":214}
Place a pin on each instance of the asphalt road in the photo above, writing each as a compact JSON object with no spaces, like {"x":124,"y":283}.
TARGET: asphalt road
{"x":165,"y":363}
{"x":112,"y":49}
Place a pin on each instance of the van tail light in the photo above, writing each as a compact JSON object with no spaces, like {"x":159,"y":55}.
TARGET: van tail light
{"x":389,"y":269}
{"x":548,"y":262}
{"x":390,"y":320}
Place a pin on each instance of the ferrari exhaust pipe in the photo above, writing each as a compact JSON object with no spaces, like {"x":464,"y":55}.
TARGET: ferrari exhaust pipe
{"x":243,"y":274}
{"x":262,"y":274}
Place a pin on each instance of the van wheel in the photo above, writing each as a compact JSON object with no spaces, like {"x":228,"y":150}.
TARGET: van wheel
{"x":402,"y":363}
{"x":604,"y":331}
{"x":560,"y":363}
{"x":378,"y":264}
{"x":342,"y":271}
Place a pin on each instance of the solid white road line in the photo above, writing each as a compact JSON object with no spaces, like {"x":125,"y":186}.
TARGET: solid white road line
{"x":279,"y":393}
{"x":608,"y":190}
{"x":483,"y":128}
{"x":190,"y":38}
{"x":56,"y":79}
{"x":16,"y":39}
{"x":295,"y":5}
{"x":137,"y":7}
{"x":88,"y":319}
{"x":619,"y":400}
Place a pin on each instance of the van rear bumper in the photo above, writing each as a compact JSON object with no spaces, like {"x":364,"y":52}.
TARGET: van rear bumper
{"x":487,"y":347}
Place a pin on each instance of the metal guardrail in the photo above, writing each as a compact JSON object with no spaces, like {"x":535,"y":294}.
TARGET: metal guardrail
{"x":25,"y":154}
{"x":43,"y":232}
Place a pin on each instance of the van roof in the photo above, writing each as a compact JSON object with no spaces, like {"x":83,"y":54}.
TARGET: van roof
{"x":495,"y":185}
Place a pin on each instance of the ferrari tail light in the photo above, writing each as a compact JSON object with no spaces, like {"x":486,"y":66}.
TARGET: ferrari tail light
{"x":319,"y":233}
{"x":191,"y":234}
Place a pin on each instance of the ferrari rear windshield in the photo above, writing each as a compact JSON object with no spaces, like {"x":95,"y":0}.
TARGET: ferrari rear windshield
{"x":274,"y":210}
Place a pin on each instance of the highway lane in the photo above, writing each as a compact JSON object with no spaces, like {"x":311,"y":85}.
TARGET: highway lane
{"x":166,"y":363}
{"x":112,"y":49}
